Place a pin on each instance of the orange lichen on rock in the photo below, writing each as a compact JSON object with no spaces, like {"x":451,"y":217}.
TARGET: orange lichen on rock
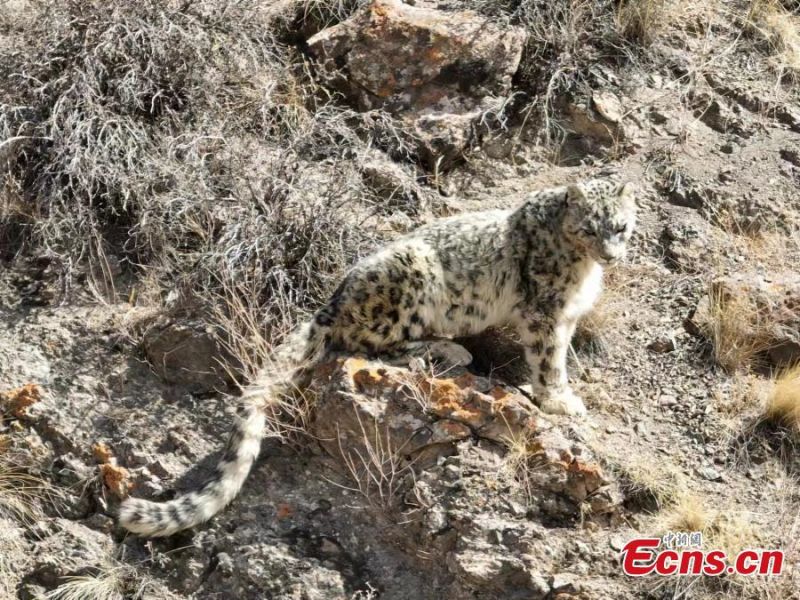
{"x":18,"y":400}
{"x":117,"y":479}
{"x":284,"y":511}
{"x":498,"y":393}
{"x":448,"y":399}
{"x":102,"y":453}
{"x":467,"y":380}
{"x":365,"y":375}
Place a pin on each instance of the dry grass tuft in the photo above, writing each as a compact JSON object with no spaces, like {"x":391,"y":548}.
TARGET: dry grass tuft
{"x":23,"y":497}
{"x":22,"y":491}
{"x":687,"y":513}
{"x":517,"y":463}
{"x":378,"y":469}
{"x":780,"y":29}
{"x":641,"y":20}
{"x":783,"y":400}
{"x":111,"y":581}
{"x":738,"y":332}
{"x":647,"y":480}
{"x":726,"y":529}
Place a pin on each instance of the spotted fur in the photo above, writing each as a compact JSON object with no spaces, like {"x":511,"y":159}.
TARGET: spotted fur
{"x":536,"y":268}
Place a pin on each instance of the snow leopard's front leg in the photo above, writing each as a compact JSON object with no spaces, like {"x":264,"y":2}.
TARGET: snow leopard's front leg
{"x":546,"y":347}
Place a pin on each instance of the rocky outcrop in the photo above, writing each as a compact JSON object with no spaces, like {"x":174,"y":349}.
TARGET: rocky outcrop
{"x":438,"y":71}
{"x":428,"y":451}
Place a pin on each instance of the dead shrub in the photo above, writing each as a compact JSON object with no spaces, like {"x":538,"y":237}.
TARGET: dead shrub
{"x":186,"y":144}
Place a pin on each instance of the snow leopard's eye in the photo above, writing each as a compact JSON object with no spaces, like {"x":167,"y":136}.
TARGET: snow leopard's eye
{"x":589,"y":231}
{"x":620,"y":229}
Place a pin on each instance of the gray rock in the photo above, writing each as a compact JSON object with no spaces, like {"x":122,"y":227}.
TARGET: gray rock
{"x":667,"y":400}
{"x":662,"y":344}
{"x":564,"y":583}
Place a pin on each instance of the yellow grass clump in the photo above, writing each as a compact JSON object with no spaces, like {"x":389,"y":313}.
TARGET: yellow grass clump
{"x":783,"y":401}
{"x":781,"y":30}
{"x":640,"y":20}
{"x":738,"y":332}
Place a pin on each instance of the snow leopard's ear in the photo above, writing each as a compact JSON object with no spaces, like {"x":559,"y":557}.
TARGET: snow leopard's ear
{"x":627,"y":194}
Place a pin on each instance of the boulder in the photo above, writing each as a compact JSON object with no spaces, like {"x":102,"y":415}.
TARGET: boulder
{"x":438,"y":71}
{"x":393,"y":184}
{"x":373,"y":416}
{"x":365,"y":406}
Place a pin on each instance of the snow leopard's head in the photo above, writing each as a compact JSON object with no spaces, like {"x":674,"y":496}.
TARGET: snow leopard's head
{"x":600,"y":218}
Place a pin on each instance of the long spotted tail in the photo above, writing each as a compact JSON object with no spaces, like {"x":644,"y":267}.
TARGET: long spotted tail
{"x":165,"y":518}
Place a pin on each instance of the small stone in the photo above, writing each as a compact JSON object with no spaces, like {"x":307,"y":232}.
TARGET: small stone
{"x":100,"y":522}
{"x":224,"y":563}
{"x":640,"y":428}
{"x":592,"y":375}
{"x":710,"y":474}
{"x":564,"y":583}
{"x":791,"y":155}
{"x":608,"y":105}
{"x":617,"y":543}
{"x":662,"y":345}
{"x":667,"y":400}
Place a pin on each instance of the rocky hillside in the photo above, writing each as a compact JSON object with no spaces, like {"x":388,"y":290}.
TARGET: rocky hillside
{"x":182,"y":182}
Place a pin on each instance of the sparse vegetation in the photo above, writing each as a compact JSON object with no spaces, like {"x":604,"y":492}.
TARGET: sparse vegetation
{"x":649,"y":482}
{"x":112,"y":581}
{"x":783,"y":400}
{"x":737,"y":330}
{"x":22,"y":489}
{"x":687,"y":513}
{"x":517,"y":462}
{"x":641,"y":20}
{"x":166,"y":141}
{"x":23,"y":494}
{"x":780,"y":30}
{"x":377,"y":468}
{"x":725,"y":528}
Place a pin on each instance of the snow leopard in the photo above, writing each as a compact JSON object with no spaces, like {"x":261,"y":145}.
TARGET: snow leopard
{"x":535,"y":268}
